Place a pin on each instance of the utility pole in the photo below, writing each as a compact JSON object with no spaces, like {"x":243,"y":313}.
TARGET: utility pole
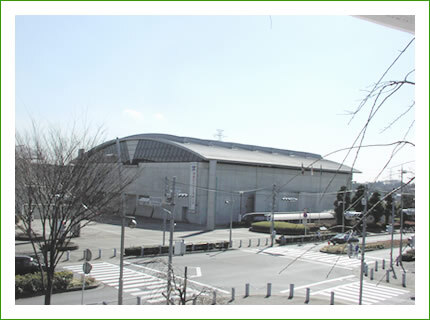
{"x":343,"y":210}
{"x":166,"y":195}
{"x":121,"y":254}
{"x":172,"y":225}
{"x":399,"y":258}
{"x":393,"y":205}
{"x":230,"y":202}
{"x":272,"y":217}
{"x":363,"y":244}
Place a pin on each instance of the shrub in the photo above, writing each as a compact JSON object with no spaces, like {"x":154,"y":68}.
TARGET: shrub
{"x":31,"y":283}
{"x":281,"y":227}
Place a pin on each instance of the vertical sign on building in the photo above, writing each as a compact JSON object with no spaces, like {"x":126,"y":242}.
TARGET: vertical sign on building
{"x":193,"y":187}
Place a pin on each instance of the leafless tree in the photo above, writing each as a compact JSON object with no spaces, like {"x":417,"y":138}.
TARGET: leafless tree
{"x":62,"y":187}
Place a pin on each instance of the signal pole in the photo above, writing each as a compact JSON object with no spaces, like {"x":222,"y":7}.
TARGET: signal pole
{"x":363,"y":245}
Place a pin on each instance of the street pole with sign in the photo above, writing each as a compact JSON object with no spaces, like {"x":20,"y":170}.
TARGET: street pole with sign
{"x":86,"y":268}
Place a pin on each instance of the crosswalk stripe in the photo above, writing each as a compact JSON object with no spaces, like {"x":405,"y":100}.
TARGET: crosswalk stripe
{"x":401,"y":291}
{"x":371,"y":292}
{"x":157,"y":286}
{"x":313,"y":256}
{"x":135,"y":283}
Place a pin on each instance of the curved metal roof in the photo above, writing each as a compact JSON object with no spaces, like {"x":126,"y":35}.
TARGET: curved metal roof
{"x":169,"y":148}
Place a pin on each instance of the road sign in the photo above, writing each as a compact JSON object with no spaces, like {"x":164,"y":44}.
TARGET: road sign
{"x":87,"y":254}
{"x":86,"y":267}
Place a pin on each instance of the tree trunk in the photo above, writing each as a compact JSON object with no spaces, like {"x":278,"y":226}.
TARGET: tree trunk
{"x":49,"y":286}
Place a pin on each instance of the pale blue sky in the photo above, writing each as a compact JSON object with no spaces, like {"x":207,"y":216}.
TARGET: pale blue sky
{"x":279,"y":81}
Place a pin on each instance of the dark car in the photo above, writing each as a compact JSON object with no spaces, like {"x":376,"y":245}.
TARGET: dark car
{"x":25,"y":264}
{"x":343,"y":238}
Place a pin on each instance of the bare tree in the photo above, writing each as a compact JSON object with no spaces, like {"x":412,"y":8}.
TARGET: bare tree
{"x":64,"y":188}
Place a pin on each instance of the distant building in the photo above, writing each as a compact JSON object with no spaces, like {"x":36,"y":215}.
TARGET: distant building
{"x":210,"y":172}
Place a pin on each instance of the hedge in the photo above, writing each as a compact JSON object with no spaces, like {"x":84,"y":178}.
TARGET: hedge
{"x":155,"y":250}
{"x":282,"y":227}
{"x":31,"y":283}
{"x":69,"y":247}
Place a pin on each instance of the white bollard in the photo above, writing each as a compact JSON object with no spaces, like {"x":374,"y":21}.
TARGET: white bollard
{"x":139,"y":300}
{"x":100,"y":254}
{"x":269,"y":290}
{"x":404,"y":279}
{"x":258,"y":243}
{"x":383,"y":264}
{"x":308,"y":293}
{"x":232,"y":294}
{"x":114,"y":252}
{"x":388,"y":276}
{"x":142,"y":251}
{"x":83,"y":256}
{"x":366,"y":267}
{"x":247,"y":290}
{"x":332,"y":298}
{"x":249,"y":244}
{"x":192,"y":247}
{"x":240,"y":244}
{"x":376,"y":266}
{"x":291,"y":291}
{"x":267,"y":241}
{"x":371,"y":274}
{"x":214,"y":298}
{"x":67,"y":255}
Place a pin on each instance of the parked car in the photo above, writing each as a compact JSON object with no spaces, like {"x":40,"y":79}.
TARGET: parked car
{"x":343,"y":238}
{"x":25,"y":264}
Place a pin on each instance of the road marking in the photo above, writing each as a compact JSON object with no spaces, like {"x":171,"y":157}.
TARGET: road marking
{"x":311,"y":256}
{"x":372,"y":293}
{"x":318,"y":283}
{"x":198,"y":273}
{"x":192,"y":281}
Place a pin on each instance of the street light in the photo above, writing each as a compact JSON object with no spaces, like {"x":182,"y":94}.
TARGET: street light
{"x":231,"y":221}
{"x":132,"y":223}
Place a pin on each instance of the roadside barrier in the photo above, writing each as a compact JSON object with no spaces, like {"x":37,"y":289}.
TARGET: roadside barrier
{"x":291,"y":291}
{"x":308,"y":294}
{"x":247,"y":290}
{"x":269,"y":290}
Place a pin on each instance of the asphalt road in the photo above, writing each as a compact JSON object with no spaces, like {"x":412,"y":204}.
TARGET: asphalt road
{"x":220,"y":271}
